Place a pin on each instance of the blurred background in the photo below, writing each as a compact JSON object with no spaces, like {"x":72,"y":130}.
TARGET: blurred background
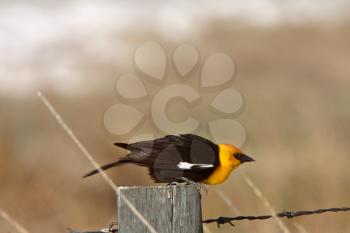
{"x":293,"y":60}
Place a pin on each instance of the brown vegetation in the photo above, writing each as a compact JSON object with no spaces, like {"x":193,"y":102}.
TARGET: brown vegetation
{"x":295,"y":80}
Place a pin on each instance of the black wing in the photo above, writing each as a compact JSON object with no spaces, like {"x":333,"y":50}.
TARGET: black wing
{"x":191,"y":148}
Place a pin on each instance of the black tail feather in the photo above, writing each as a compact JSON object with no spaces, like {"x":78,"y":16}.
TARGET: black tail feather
{"x":122,"y":145}
{"x":105,"y":167}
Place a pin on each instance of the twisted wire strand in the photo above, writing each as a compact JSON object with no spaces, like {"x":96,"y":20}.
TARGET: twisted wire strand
{"x":286,"y":214}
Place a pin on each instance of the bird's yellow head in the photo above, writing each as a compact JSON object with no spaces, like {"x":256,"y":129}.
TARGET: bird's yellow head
{"x":231,"y":156}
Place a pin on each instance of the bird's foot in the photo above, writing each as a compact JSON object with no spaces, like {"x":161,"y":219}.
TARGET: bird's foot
{"x":173,"y":183}
{"x":113,"y":227}
{"x":198,"y":186}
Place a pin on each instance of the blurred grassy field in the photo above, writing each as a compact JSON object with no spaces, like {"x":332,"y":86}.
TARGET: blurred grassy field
{"x":296,"y":83}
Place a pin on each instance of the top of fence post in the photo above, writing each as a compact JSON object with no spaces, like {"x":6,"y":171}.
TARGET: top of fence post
{"x":167,"y":209}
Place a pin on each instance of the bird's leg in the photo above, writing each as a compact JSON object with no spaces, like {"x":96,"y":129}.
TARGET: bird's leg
{"x":179,"y":181}
{"x":173,"y":183}
{"x":196,"y":184}
{"x":186,"y":181}
{"x":113,"y":227}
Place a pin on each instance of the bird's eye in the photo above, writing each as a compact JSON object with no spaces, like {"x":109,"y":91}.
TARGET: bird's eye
{"x":237,"y":156}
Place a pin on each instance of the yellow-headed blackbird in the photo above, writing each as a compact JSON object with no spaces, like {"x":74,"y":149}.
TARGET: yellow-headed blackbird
{"x":184,"y":157}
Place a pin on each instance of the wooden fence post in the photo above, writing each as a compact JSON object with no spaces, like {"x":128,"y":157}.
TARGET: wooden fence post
{"x":168,"y":209}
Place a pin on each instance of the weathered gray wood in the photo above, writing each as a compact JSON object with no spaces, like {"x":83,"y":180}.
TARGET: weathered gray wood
{"x":168,"y":209}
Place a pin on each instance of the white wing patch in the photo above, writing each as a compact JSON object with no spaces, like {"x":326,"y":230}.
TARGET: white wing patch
{"x":188,"y":166}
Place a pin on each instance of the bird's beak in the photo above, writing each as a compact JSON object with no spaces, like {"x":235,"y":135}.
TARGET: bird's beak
{"x":245,"y":158}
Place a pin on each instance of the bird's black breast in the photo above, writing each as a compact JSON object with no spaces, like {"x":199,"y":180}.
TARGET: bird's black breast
{"x":162,"y":156}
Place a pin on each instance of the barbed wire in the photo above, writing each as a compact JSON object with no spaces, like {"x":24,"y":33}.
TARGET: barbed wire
{"x":287,"y":214}
{"x":219,"y":220}
{"x":224,"y":220}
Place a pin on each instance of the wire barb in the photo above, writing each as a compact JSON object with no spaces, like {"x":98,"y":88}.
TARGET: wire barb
{"x":286,"y":214}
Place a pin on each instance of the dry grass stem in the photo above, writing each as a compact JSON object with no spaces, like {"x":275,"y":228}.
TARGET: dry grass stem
{"x":19,"y":228}
{"x":206,"y":229}
{"x":259,"y":194}
{"x":300,"y":228}
{"x":228,"y":201}
{"x":93,"y":161}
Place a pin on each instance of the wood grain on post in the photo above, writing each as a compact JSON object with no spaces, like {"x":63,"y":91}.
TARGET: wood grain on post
{"x":168,"y":209}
